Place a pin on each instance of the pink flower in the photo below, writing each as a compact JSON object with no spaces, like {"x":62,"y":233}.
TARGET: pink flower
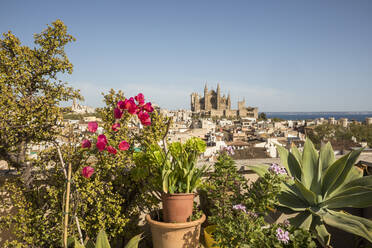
{"x":121,"y":104}
{"x":92,"y":126}
{"x":101,"y":142}
{"x":87,"y":171}
{"x":117,"y":113}
{"x":115,"y":127}
{"x":124,"y":145}
{"x":111,"y":150}
{"x":144,"y":118}
{"x":140,"y":99}
{"x":148,"y":107}
{"x":130,"y":105}
{"x":86,"y":144}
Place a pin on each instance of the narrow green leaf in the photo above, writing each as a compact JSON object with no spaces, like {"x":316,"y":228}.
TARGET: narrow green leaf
{"x":102,"y":240}
{"x":283,"y":154}
{"x":323,"y":236}
{"x":354,"y":197}
{"x":348,"y":166}
{"x":310,"y":168}
{"x":302,"y":220}
{"x":326,"y":156}
{"x":349,"y":223}
{"x":306,"y":193}
{"x":296,"y":153}
{"x":77,"y":244}
{"x":292,"y":201}
{"x":133,"y":243}
{"x":260,"y":169}
{"x":294,"y":167}
{"x":333,"y":172}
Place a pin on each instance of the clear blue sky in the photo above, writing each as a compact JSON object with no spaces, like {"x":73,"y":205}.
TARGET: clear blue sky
{"x":288,"y":55}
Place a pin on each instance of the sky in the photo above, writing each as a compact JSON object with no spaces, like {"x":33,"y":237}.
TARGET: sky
{"x":287,"y":55}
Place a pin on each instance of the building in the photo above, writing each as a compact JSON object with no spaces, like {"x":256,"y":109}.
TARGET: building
{"x":81,"y":109}
{"x":213,"y":104}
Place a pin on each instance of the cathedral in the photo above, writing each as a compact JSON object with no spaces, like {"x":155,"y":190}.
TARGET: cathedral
{"x":213,"y":104}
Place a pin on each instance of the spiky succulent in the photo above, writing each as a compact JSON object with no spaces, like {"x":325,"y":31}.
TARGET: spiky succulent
{"x":320,"y":187}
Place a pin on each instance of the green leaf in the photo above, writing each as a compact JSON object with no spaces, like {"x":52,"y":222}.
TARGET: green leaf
{"x":302,"y":220}
{"x":89,"y":244}
{"x":340,"y":180}
{"x":289,"y":161}
{"x":297,"y":154}
{"x":333,"y":172}
{"x":326,"y":156}
{"x":292,"y":201}
{"x":354,"y":197}
{"x":283,"y":154}
{"x":349,"y":223}
{"x":77,"y":244}
{"x":260,"y":169}
{"x":306,"y":193}
{"x":323,"y":236}
{"x":133,"y":243}
{"x":310,"y":166}
{"x":102,"y":240}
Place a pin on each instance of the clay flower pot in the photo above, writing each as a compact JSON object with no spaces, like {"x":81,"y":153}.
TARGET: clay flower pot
{"x":175,"y":235}
{"x":177,"y":207}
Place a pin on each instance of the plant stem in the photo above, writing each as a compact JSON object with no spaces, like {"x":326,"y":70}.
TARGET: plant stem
{"x":67,"y":205}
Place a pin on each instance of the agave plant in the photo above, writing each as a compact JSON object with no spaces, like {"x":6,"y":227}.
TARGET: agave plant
{"x":103,"y":242}
{"x":321,"y":186}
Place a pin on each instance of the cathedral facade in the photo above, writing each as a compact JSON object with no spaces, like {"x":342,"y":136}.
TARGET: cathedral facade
{"x":213,"y":104}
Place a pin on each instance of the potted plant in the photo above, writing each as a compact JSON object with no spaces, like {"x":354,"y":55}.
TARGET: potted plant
{"x":176,"y":177}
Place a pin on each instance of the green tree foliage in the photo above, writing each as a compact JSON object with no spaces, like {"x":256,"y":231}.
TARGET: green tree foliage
{"x":30,"y":91}
{"x":262,"y":117}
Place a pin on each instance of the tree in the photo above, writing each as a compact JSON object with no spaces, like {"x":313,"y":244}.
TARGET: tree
{"x":262,"y":117}
{"x":30,"y":91}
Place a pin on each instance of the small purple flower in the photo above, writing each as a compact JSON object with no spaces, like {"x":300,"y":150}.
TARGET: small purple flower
{"x":277,"y":169}
{"x":239,"y":207}
{"x":252,"y":214}
{"x":282,"y":236}
{"x":286,"y":223}
{"x":229,"y":150}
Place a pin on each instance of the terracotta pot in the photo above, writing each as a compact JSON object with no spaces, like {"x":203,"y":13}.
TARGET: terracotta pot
{"x":209,"y":240}
{"x":177,"y":207}
{"x":175,"y":235}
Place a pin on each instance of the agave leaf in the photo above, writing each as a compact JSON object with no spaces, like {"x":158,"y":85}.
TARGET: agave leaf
{"x":349,"y":223}
{"x":297,"y":154}
{"x":326,"y":156}
{"x":292,"y":201}
{"x":89,"y":244}
{"x":77,"y":244}
{"x":354,"y":178}
{"x":354,"y":197}
{"x":348,"y":167}
{"x":133,"y":243}
{"x":289,"y":161}
{"x":363,"y":181}
{"x":310,"y":167}
{"x":260,"y":169}
{"x":102,"y":240}
{"x":323,"y":236}
{"x":302,"y":220}
{"x":333,"y":172}
{"x":306,"y":193}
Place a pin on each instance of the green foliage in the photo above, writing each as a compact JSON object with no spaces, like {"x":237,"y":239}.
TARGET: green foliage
{"x":262,"y":117}
{"x":323,"y":186}
{"x":103,"y":242}
{"x":237,"y":227}
{"x":111,"y":199}
{"x":30,"y":91}
{"x":174,"y":171}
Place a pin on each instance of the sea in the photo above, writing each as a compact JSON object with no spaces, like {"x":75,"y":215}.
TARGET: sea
{"x":358,"y":116}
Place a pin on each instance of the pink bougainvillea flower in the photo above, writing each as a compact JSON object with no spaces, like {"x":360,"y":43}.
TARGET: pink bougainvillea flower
{"x":148,"y":107}
{"x":86,"y":144}
{"x":144,"y":118}
{"x":87,"y":171}
{"x":92,"y":126}
{"x":115,"y":127}
{"x":124,"y":145}
{"x":102,"y":138}
{"x":121,"y":104}
{"x":111,"y":150}
{"x":117,"y":113}
{"x":101,"y":145}
{"x":140,"y":98}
